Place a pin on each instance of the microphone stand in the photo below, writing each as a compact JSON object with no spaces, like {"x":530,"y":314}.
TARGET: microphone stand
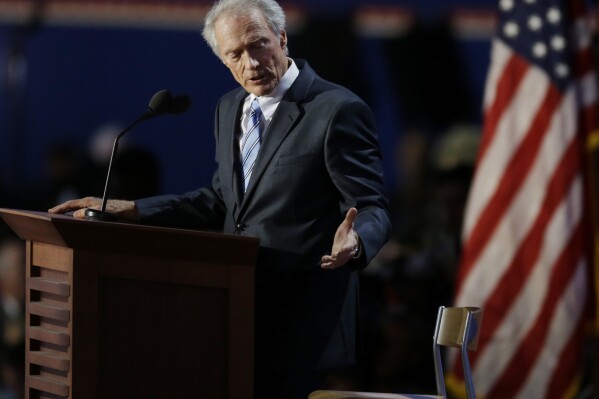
{"x":162,"y":102}
{"x":102,"y":214}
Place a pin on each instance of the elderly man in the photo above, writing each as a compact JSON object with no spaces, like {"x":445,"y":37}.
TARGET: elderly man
{"x":299,"y":167}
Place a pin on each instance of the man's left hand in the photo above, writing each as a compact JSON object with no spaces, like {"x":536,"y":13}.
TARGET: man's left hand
{"x":345,"y":245}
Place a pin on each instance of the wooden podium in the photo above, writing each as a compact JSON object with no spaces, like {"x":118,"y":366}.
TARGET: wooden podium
{"x":118,"y":310}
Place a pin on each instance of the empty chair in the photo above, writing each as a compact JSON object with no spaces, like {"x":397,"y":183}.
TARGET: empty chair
{"x":456,"y":327}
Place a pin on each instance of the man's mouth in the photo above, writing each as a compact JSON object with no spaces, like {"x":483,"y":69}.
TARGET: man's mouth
{"x":257,"y":79}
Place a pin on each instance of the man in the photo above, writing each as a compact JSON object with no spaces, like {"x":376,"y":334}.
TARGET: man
{"x":315,"y":181}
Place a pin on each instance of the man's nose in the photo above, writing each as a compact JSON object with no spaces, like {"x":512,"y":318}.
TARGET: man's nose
{"x":251,"y":62}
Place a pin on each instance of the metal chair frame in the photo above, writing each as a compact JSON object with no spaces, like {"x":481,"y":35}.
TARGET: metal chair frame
{"x":451,"y":330}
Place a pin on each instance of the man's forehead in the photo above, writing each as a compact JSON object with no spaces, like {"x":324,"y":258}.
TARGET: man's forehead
{"x":238,"y":27}
{"x":242,"y":20}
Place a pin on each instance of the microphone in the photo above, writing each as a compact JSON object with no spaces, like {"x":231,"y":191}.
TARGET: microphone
{"x":161,"y":103}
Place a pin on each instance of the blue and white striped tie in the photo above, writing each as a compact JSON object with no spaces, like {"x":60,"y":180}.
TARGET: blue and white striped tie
{"x":250,"y":142}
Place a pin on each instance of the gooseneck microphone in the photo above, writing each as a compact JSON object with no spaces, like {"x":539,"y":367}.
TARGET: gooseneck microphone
{"x":161,"y":103}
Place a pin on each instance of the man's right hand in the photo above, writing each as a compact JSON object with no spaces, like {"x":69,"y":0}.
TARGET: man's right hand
{"x":122,"y":209}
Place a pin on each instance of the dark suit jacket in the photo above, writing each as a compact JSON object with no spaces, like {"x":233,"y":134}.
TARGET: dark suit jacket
{"x":319,"y":157}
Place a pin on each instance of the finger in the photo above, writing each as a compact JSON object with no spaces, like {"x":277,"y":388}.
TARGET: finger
{"x":350,"y":216}
{"x":65,"y":207}
{"x":75,"y":205}
{"x":58,"y":208}
{"x":327,"y":261}
{"x":92,"y":203}
{"x":333,"y":264}
{"x":79,"y":214}
{"x":327,"y":258}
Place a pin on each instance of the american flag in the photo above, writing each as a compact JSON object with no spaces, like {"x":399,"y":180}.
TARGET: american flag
{"x":525,"y":254}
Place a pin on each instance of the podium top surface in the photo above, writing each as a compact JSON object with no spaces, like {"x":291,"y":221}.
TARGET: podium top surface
{"x":79,"y":234}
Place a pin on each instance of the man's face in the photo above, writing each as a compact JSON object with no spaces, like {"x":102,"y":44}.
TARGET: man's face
{"x":255,"y":56}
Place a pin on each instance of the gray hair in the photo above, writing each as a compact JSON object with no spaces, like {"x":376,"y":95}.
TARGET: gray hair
{"x":274,"y":14}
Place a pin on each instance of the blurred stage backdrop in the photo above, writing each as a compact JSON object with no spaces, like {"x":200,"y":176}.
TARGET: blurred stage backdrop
{"x":74,"y":72}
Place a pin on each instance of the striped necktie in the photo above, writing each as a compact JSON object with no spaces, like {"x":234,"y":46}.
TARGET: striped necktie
{"x":250,"y":142}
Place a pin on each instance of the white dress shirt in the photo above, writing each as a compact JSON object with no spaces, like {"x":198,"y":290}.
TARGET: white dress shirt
{"x":269,"y":103}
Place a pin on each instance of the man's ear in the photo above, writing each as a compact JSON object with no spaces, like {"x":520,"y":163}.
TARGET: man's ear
{"x":283,"y":39}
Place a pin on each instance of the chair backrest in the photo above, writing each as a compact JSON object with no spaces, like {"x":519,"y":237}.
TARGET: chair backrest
{"x":453,"y":324}
{"x":457,"y":327}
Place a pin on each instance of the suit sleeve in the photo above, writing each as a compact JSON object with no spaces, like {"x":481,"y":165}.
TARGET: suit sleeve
{"x":353,"y":160}
{"x":199,"y":209}
{"x":203,"y":208}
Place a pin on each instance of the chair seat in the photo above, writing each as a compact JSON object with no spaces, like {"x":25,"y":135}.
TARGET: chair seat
{"x":365,"y":395}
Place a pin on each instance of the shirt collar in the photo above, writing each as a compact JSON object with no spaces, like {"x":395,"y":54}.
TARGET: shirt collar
{"x":275,"y":97}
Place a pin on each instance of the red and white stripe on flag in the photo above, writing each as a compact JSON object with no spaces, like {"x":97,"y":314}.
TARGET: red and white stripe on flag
{"x":525,"y":256}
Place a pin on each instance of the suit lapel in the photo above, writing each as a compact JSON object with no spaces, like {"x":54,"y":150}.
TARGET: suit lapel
{"x":285,"y":118}
{"x":231,"y":132}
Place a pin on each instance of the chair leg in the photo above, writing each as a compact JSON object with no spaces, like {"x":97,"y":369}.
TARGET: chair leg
{"x":437,"y":357}
{"x":470,"y":393}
